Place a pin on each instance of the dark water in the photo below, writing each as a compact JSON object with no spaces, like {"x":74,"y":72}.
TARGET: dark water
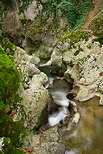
{"x":51,"y":77}
{"x":87,"y":137}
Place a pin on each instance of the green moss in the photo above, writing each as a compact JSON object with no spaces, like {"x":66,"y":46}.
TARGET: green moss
{"x":9,"y":77}
{"x":43,"y":54}
{"x":10,"y":129}
{"x":34,"y":31}
{"x":81,"y":61}
{"x":75,"y":36}
{"x":9,"y":83}
{"x":8,"y":148}
{"x":38,"y":124}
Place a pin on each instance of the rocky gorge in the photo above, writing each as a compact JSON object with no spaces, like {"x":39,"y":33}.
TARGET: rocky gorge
{"x":59,"y":70}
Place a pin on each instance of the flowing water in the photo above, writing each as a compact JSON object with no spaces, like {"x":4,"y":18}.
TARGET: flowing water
{"x":87,"y":136}
{"x":59,"y":90}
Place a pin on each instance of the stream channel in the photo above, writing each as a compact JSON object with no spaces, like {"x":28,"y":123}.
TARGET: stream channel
{"x":87,"y":136}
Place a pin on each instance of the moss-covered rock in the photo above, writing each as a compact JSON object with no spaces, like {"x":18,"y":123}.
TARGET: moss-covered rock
{"x":75,"y":37}
{"x":43,"y":54}
{"x":9,"y":84}
{"x":9,"y":78}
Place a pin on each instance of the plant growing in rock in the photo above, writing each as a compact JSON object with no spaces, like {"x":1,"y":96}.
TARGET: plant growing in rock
{"x":75,"y":36}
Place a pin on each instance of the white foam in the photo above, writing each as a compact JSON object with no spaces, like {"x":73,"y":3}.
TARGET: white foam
{"x":49,"y":82}
{"x":60,"y":98}
{"x":56,"y":117}
{"x":72,"y":152}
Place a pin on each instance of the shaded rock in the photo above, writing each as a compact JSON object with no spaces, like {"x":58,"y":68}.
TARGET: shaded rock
{"x":70,"y":96}
{"x":52,"y":106}
{"x":11,"y":22}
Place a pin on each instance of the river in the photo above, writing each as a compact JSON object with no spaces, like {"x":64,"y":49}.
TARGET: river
{"x":87,"y":136}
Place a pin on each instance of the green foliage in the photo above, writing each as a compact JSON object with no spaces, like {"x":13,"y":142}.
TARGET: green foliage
{"x":99,"y":39}
{"x":96,"y":25}
{"x":77,"y":53}
{"x":1,"y":105}
{"x":25,"y":4}
{"x":75,"y":36}
{"x":8,"y":46}
{"x":73,"y":10}
{"x":9,"y":148}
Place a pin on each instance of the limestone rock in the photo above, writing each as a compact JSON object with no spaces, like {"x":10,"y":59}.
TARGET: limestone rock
{"x":46,"y":142}
{"x":26,"y":63}
{"x":33,"y":10}
{"x":11,"y":22}
{"x":34,"y":95}
{"x":84,"y":65}
{"x":76,"y":118}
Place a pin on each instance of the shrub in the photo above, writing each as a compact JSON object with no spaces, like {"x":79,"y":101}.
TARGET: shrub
{"x":73,"y":10}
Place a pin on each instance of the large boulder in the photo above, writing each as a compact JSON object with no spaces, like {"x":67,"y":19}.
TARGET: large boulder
{"x":34,"y":95}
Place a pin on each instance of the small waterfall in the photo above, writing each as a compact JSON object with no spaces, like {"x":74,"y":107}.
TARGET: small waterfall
{"x":58,"y":89}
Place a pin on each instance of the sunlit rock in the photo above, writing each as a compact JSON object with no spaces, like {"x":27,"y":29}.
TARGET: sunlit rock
{"x":1,"y":143}
{"x":26,"y":63}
